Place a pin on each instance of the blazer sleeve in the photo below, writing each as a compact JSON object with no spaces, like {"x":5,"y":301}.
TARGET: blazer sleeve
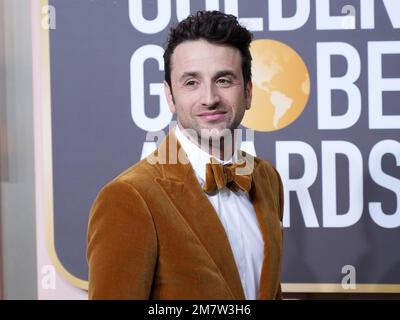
{"x":121,"y":244}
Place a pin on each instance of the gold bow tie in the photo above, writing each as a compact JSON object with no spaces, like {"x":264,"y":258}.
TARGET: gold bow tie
{"x":220,"y":175}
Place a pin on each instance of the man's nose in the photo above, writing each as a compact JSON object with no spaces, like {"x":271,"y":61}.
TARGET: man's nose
{"x":210,"y":96}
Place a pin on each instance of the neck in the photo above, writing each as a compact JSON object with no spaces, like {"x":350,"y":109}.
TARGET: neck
{"x":222,"y":148}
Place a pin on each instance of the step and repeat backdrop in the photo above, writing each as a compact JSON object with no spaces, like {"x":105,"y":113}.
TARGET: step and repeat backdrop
{"x":325,"y":112}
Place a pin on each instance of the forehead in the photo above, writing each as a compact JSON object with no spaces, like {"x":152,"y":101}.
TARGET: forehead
{"x":203,"y":56}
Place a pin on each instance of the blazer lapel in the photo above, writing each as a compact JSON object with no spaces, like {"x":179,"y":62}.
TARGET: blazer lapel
{"x":182,"y":187}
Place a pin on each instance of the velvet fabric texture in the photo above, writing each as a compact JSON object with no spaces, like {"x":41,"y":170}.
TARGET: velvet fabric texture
{"x":153,"y":234}
{"x":220,"y":175}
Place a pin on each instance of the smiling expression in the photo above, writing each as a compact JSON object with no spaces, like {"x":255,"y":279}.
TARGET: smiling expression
{"x":208,"y":90}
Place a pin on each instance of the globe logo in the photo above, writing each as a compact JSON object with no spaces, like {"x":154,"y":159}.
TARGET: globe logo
{"x":281,"y":86}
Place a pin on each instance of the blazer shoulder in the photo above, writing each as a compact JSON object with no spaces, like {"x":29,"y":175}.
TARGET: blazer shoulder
{"x":140,"y":173}
{"x":267,"y":167}
{"x":275,"y":183}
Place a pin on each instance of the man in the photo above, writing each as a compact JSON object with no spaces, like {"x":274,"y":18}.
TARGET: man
{"x":183,"y":223}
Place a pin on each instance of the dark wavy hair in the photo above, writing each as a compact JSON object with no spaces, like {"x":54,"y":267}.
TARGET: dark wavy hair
{"x":215,"y":27}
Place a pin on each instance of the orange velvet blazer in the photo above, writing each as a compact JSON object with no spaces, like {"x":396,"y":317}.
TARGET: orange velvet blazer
{"x":153,"y":234}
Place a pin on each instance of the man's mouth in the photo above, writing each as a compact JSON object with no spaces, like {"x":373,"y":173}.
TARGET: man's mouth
{"x":212,"y":115}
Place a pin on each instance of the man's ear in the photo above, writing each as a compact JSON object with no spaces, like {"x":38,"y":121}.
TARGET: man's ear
{"x":170,"y":98}
{"x":249,"y":94}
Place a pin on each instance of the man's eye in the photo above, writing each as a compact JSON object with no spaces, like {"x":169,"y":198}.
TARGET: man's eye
{"x":190,"y":83}
{"x":224,"y":81}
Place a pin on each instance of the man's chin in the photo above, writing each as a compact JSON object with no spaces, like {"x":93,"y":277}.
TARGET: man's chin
{"x":215,"y":133}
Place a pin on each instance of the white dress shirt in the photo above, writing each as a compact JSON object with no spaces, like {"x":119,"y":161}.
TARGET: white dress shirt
{"x":238,"y":217}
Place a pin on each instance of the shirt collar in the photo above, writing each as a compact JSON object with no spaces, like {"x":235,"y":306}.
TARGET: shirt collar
{"x":197,"y":157}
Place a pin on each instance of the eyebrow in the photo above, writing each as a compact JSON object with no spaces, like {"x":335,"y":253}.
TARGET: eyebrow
{"x":189,"y":74}
{"x":196,"y":74}
{"x":224,"y":73}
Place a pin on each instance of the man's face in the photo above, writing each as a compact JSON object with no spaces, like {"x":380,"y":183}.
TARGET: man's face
{"x":208,"y":91}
